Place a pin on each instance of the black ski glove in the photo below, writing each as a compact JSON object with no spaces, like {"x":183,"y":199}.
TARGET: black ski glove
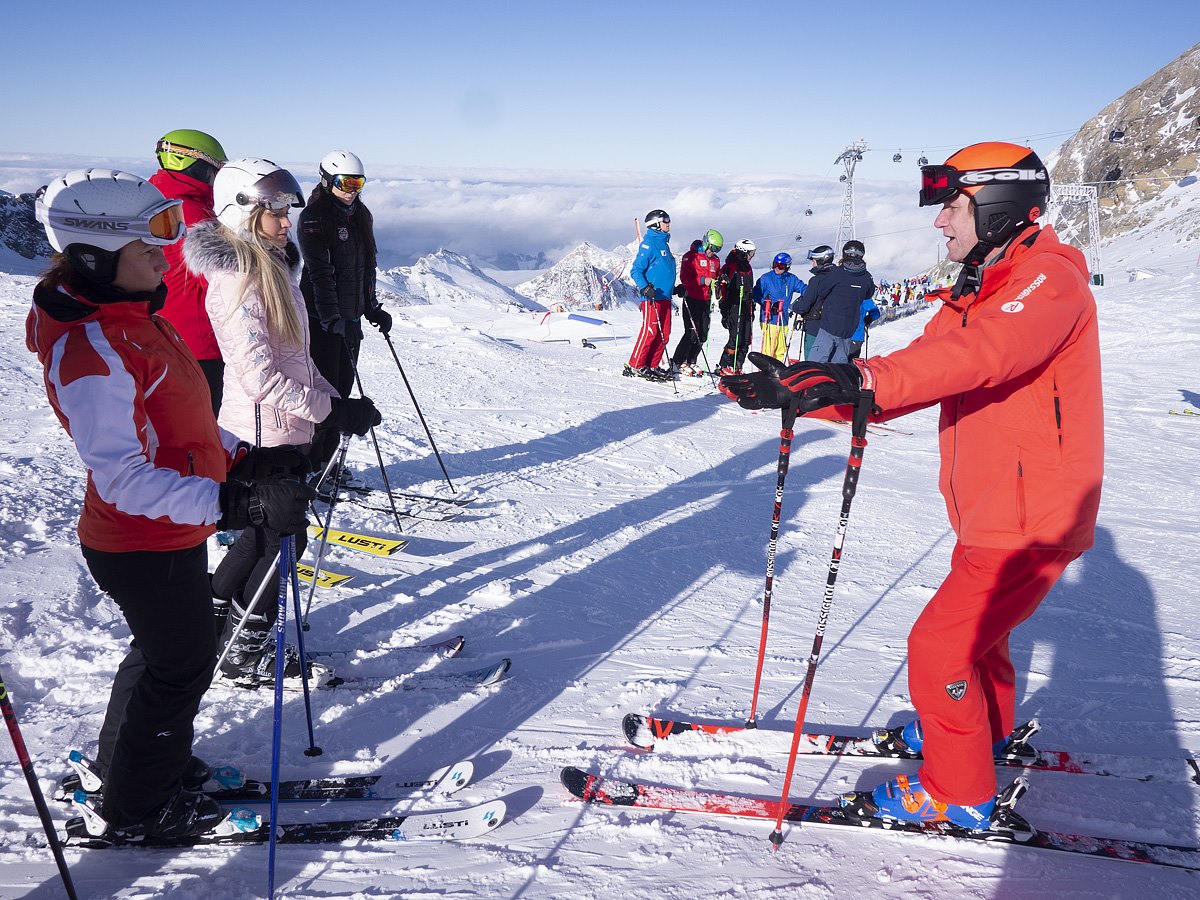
{"x":679,"y":291}
{"x":262,"y":462}
{"x":335,"y":326}
{"x":279,"y":503}
{"x":347,"y":329}
{"x":647,"y":292}
{"x":380,"y":318}
{"x":354,"y":415}
{"x":810,"y":385}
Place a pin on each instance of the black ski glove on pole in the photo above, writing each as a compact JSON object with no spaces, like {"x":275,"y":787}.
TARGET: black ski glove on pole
{"x":380,"y":318}
{"x":354,"y":415}
{"x":809,"y":385}
{"x":647,"y":292}
{"x":278,"y":502}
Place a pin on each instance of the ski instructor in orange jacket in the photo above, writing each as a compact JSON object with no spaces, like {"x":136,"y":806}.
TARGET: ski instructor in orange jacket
{"x":1013,"y":358}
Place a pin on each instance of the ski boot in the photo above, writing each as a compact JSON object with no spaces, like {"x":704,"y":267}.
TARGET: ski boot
{"x":903,"y":799}
{"x":902,"y":741}
{"x":187,"y":814}
{"x":905,"y":741}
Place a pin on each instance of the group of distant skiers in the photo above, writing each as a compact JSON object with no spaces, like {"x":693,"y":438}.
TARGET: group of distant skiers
{"x":833,"y":310}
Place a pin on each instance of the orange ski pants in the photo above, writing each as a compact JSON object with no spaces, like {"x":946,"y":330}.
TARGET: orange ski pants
{"x":959,"y":672}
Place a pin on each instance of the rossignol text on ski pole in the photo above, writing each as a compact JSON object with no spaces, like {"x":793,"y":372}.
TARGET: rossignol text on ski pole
{"x":785,"y":453}
{"x":858,"y":443}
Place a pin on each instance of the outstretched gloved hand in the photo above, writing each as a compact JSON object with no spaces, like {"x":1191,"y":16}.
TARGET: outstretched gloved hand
{"x":808,"y":385}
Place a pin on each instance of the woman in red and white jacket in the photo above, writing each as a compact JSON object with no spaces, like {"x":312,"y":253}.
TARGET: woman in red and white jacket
{"x":134,"y":401}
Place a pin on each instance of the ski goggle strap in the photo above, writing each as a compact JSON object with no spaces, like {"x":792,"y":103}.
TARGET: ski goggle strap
{"x":168,"y":147}
{"x":161,"y":224}
{"x":275,"y":192}
{"x":351,"y":184}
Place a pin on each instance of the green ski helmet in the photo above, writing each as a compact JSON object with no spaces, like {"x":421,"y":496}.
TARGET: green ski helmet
{"x":712,"y":241}
{"x":182,"y":148}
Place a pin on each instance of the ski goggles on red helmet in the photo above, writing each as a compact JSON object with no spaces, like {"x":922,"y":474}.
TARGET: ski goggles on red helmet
{"x":276,"y":191}
{"x":160,"y":224}
{"x":350,"y":184}
{"x":941,"y":184}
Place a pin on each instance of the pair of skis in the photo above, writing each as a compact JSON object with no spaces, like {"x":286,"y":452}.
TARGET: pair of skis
{"x":1008,"y":827}
{"x":88,"y":830}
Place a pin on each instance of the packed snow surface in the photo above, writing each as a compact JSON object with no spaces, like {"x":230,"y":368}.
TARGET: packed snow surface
{"x":616,"y":551}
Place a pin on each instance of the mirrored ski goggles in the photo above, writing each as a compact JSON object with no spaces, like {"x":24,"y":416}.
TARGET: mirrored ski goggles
{"x":161,"y":224}
{"x":275,"y":192}
{"x":351,"y":184}
{"x":939,"y":184}
{"x":712,"y":248}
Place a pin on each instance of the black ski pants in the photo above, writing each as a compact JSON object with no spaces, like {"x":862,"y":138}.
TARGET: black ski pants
{"x":331,"y":353}
{"x":247,"y":564}
{"x":741,"y":332}
{"x":696,"y":316}
{"x":146,"y":739}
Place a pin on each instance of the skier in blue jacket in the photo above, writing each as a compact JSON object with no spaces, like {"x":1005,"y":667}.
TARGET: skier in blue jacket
{"x":653,"y":273}
{"x":773,"y":293}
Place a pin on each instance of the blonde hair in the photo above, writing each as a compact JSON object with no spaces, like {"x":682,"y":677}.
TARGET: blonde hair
{"x":262,"y":266}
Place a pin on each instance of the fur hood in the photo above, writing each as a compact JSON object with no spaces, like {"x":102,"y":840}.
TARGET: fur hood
{"x":207,"y":252}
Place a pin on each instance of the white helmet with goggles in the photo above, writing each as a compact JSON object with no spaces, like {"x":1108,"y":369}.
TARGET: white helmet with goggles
{"x":90,"y":214}
{"x":343,"y":170}
{"x":244,"y":185}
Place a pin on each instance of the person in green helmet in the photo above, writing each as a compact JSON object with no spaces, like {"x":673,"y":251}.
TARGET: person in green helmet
{"x":698,"y":272}
{"x":189,"y":162}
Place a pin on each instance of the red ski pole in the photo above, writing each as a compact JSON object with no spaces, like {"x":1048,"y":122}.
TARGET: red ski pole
{"x":785,"y":453}
{"x":14,"y":731}
{"x":858,"y":443}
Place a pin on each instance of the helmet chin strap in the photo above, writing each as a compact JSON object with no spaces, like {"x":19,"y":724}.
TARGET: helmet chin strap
{"x":971,"y":276}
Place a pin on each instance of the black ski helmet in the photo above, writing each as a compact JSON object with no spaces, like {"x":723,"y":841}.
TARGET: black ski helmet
{"x":821,"y":255}
{"x":657,"y":217}
{"x":853,"y":250}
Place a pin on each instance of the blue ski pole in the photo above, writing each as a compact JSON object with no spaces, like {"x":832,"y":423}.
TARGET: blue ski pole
{"x":286,"y":551}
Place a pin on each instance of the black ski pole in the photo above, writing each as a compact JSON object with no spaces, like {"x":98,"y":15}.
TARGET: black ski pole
{"x":286,"y":551}
{"x":785,"y":453}
{"x":35,"y":789}
{"x":375,"y":441}
{"x":420,"y":415}
{"x":337,"y":486}
{"x":293,"y":575}
{"x":858,"y":443}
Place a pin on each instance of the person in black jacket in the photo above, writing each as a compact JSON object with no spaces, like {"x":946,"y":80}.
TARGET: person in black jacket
{"x":840,"y":291}
{"x":736,"y":287}
{"x":337,"y":241}
{"x":807,"y":307}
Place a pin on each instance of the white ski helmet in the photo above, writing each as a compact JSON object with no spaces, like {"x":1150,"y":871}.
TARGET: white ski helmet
{"x":90,"y":214}
{"x":746,"y":246}
{"x":243,"y":185}
{"x":341,"y":162}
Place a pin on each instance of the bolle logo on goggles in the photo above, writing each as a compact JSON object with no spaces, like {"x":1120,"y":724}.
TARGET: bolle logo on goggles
{"x":96,"y":224}
{"x":987,"y":176}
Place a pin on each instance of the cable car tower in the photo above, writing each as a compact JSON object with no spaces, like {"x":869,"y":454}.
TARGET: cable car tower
{"x":1065,"y":200}
{"x":849,"y":158}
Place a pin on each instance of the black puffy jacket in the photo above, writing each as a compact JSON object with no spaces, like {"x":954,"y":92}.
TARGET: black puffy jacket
{"x":338,"y":245}
{"x":835,"y":294}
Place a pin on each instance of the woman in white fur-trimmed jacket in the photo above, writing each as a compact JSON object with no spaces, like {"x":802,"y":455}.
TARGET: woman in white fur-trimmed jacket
{"x":273,"y":394}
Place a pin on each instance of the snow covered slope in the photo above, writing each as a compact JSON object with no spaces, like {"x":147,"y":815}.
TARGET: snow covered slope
{"x":616,"y":551}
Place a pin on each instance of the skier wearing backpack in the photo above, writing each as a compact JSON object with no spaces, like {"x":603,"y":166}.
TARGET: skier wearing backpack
{"x":1013,"y":359}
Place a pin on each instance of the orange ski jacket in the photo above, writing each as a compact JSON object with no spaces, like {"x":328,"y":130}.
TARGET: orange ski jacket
{"x":1016,"y":368}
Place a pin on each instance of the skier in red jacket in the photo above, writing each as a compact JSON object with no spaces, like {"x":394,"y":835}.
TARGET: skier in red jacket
{"x":190,"y":161}
{"x":1013,"y":358}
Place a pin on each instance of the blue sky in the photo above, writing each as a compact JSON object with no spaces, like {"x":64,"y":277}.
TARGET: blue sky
{"x":696,"y":87}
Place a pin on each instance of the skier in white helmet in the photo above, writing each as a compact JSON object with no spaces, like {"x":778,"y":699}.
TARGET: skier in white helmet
{"x":159,"y":481}
{"x":337,"y":240}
